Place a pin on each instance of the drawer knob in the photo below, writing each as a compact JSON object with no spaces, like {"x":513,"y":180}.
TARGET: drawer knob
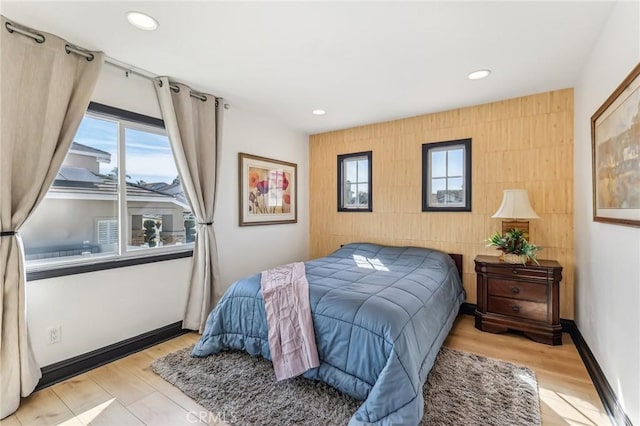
{"x":515,"y":290}
{"x":515,"y":308}
{"x":515,"y":271}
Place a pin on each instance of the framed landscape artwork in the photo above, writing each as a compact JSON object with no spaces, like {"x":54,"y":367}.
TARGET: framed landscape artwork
{"x":268,"y":191}
{"x":615,"y":143}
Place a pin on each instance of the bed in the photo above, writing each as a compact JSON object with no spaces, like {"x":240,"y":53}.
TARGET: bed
{"x":380,"y":316}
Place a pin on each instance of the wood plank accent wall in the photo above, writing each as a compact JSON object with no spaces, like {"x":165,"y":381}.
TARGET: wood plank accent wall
{"x":524,"y":142}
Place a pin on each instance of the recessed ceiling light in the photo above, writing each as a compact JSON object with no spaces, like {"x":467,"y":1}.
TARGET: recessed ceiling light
{"x":142,"y":21}
{"x":477,"y":75}
{"x":319,"y":112}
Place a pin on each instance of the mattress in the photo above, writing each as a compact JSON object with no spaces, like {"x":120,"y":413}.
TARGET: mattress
{"x":380,"y":316}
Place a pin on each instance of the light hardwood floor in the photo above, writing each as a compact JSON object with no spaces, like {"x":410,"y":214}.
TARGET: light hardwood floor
{"x":127,"y":392}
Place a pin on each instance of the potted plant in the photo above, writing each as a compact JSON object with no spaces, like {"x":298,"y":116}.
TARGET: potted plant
{"x":514,"y":246}
{"x":150,"y":232}
{"x":190,"y":230}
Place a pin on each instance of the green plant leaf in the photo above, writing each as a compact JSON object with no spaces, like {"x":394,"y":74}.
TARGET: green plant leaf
{"x":514,"y":242}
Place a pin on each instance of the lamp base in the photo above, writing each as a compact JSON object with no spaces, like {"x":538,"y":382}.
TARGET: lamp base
{"x":508,"y":225}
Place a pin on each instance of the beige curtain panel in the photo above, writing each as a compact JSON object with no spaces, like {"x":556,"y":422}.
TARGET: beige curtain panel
{"x":194,"y":126}
{"x":45,"y":92}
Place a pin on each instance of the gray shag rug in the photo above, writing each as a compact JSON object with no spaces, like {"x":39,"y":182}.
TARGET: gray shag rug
{"x":462,"y":389}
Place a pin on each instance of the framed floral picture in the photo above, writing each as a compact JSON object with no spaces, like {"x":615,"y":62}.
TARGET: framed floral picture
{"x":268,"y":191}
{"x":615,"y":143}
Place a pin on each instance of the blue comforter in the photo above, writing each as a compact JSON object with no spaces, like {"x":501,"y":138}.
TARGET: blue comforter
{"x":380,"y":316}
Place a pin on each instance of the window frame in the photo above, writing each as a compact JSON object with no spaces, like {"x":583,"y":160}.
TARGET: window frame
{"x":341,"y":161}
{"x":124,"y":257}
{"x":427,"y":179}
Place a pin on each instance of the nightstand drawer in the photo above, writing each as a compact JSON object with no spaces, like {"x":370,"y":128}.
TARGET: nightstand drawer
{"x":517,"y":271}
{"x":518,"y":308}
{"x":517,"y":290}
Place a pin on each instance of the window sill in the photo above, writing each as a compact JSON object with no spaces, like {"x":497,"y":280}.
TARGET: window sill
{"x":61,"y":271}
{"x":355,"y":210}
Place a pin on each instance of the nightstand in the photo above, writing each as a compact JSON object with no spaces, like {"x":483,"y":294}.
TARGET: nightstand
{"x":519,"y":297}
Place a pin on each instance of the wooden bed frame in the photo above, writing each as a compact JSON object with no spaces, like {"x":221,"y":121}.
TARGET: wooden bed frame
{"x":457,"y":258}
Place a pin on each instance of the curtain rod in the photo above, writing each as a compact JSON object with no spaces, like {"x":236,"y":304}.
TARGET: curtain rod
{"x":129,"y":69}
{"x":39,"y":38}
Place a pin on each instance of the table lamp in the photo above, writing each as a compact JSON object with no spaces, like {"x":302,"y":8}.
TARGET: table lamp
{"x":515,"y":207}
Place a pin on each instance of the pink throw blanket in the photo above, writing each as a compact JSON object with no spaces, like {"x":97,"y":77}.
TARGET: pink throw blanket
{"x":292,"y":340}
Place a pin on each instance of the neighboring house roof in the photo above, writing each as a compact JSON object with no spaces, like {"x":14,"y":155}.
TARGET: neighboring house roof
{"x":157,"y":186}
{"x":80,"y":149}
{"x":80,"y":183}
{"x":173,"y":189}
{"x":76,"y":174}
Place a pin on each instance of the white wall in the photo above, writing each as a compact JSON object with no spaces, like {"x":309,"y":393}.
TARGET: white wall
{"x":607,"y":256}
{"x":100,"y":308}
{"x":250,"y":249}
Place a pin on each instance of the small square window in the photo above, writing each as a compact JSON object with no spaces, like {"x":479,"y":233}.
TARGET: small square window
{"x":354,"y":182}
{"x":446,"y":176}
{"x":107,"y":231}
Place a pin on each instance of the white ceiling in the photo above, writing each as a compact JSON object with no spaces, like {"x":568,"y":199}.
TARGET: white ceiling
{"x":363,"y":62}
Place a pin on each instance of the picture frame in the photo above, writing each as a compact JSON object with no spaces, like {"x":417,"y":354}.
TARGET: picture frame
{"x":446,"y":176}
{"x":615,"y":147}
{"x":268,"y":191}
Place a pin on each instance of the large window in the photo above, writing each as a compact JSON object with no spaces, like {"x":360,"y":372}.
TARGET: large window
{"x":446,"y":176}
{"x":117,"y":195}
{"x":354,"y":182}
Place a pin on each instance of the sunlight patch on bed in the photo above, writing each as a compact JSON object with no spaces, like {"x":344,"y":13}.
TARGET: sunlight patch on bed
{"x":363,"y":262}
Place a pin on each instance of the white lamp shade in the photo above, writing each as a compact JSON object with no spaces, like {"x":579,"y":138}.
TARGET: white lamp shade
{"x":515,"y":205}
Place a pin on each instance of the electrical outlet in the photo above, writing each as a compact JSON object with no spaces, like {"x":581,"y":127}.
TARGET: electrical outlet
{"x":55,"y":334}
